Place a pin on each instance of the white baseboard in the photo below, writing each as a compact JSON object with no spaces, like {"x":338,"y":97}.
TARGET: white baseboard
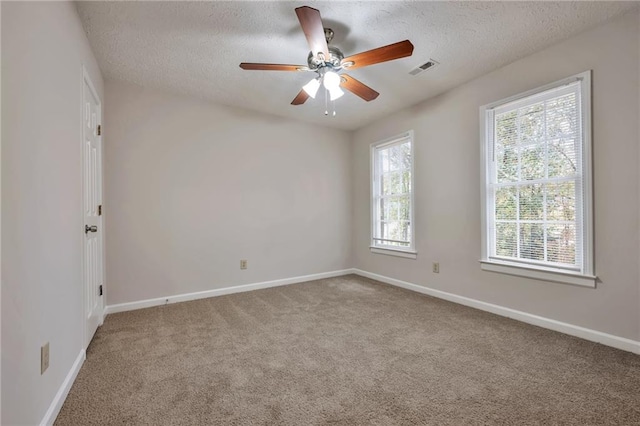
{"x":56,"y":404}
{"x":573,"y":330}
{"x":148,"y":303}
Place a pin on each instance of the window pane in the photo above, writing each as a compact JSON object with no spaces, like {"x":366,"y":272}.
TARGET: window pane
{"x":404,"y":209}
{"x":396,"y":157}
{"x":531,"y":124}
{"x":391,"y":229}
{"x":562,"y":116}
{"x":562,"y":157}
{"x":506,"y":203}
{"x":407,"y":232}
{"x":406,"y":181}
{"x":506,"y":239}
{"x":395,"y":233}
{"x":532,"y":159}
{"x":532,"y":241}
{"x":391,"y":209}
{"x":561,"y":244}
{"x":392,"y":183}
{"x":507,"y":165}
{"x":396,"y":208}
{"x":383,"y":232}
{"x":531,"y":202}
{"x":506,"y":130}
{"x":561,"y":201}
{"x":383,"y":157}
{"x":405,"y":155}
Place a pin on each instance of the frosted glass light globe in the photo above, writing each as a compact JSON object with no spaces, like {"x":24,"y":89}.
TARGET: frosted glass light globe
{"x":335,"y":93}
{"x":331,"y":80}
{"x":312,"y":87}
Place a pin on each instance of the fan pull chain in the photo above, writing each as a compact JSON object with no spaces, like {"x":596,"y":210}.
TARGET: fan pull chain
{"x":326,"y":99}
{"x":333,"y":107}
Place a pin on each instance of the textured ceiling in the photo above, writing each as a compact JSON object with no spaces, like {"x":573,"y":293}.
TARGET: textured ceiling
{"x":195,"y":47}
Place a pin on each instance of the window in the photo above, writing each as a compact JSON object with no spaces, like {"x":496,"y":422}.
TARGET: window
{"x":537,"y":183}
{"x":392,"y":197}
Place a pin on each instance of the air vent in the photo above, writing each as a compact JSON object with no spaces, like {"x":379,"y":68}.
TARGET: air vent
{"x":420,"y":68}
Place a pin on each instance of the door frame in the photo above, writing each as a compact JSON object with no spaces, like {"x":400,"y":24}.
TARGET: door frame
{"x":87,"y":82}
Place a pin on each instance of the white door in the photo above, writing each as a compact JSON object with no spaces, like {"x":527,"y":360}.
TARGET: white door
{"x":92,"y":194}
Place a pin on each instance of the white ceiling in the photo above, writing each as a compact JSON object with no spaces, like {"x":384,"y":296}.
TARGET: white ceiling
{"x":195,"y":47}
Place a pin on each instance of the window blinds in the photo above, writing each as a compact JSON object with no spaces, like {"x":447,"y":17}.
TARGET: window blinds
{"x":535,"y":179}
{"x":392,"y":194}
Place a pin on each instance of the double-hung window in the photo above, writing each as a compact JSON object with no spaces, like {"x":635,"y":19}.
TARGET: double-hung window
{"x":537,"y":205}
{"x":392,"y":210}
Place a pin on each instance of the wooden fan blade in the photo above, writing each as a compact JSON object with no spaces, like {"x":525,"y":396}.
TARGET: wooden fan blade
{"x":358,"y":88}
{"x":300,"y":98}
{"x":311,"y":24}
{"x":272,"y":67}
{"x":393,"y":51}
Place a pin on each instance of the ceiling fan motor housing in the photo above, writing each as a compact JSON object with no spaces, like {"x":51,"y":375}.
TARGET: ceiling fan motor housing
{"x":335,"y":58}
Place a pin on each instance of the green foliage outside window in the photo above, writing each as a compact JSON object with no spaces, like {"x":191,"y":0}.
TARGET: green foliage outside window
{"x":394,"y":210}
{"x":535,"y":197}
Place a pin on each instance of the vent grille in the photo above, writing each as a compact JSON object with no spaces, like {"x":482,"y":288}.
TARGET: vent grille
{"x":420,"y":68}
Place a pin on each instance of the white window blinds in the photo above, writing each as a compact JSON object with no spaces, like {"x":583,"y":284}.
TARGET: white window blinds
{"x":392,"y":210}
{"x":535,"y":178}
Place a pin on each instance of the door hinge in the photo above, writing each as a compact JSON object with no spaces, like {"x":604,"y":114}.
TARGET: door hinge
{"x":100,"y":210}
{"x":100,"y":290}
{"x":99,"y":130}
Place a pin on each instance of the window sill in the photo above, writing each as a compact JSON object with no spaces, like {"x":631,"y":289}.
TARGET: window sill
{"x":408,"y":254}
{"x":539,"y":273}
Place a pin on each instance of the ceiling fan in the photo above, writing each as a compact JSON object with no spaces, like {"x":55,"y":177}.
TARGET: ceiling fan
{"x":329,"y":62}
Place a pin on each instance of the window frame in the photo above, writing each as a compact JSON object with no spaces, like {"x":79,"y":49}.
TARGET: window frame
{"x":406,"y":252}
{"x":542,"y":271}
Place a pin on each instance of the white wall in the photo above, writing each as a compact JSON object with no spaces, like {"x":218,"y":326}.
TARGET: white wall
{"x":193,"y":187}
{"x":447,"y":163}
{"x":43,"y":50}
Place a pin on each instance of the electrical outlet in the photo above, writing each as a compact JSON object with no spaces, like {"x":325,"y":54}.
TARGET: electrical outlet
{"x":436,"y":267}
{"x":44,"y":358}
{"x":243,"y":264}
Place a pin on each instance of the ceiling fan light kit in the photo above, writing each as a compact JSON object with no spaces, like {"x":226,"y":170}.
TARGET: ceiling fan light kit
{"x":312,"y":87}
{"x":335,"y":93}
{"x":329,"y":62}
{"x":331,"y":80}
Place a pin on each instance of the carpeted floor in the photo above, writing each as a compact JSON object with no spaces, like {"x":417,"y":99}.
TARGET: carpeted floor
{"x":345,"y":350}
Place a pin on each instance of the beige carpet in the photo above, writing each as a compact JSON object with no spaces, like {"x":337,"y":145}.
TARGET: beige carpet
{"x":347,"y":351}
